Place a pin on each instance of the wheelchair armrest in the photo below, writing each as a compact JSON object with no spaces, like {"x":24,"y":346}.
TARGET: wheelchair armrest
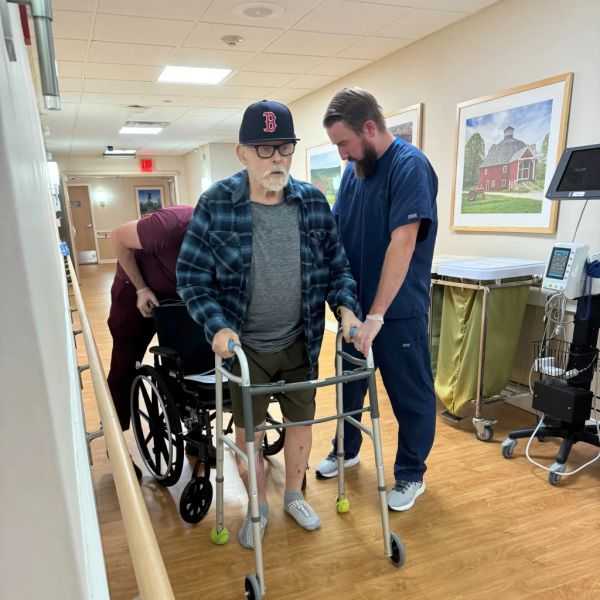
{"x":164,"y":351}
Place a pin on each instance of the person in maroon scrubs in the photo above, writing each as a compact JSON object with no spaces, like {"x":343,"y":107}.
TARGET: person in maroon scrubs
{"x":147,"y":251}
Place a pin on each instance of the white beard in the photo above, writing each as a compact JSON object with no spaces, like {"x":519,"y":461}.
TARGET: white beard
{"x":275,"y":182}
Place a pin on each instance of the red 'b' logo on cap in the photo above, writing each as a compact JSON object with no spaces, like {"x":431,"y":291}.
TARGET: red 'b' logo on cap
{"x":270,"y":122}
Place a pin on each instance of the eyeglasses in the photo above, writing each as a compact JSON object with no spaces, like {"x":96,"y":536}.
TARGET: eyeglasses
{"x":267,"y":151}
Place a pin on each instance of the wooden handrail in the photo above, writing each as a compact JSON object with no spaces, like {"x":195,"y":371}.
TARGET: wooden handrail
{"x":150,"y":572}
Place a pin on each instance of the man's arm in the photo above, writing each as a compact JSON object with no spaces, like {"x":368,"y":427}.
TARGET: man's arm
{"x":196,"y":281}
{"x":393,"y":273}
{"x":126,"y":241}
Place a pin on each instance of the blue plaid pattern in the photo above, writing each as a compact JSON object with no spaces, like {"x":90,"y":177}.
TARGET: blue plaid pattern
{"x":214,"y":263}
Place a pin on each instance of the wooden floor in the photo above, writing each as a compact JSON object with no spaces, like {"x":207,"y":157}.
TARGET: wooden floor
{"x":486,"y":527}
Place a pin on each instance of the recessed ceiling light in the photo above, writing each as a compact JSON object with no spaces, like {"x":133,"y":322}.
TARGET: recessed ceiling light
{"x":140,"y":130}
{"x":195,"y":75}
{"x":259,"y":10}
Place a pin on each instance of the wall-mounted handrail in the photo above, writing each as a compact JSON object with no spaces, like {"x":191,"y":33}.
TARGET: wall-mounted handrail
{"x":150,"y":572}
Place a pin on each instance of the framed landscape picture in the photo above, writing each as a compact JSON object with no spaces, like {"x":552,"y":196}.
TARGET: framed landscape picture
{"x":324,"y":169}
{"x":148,"y":199}
{"x":407,"y":124}
{"x":507,"y":147}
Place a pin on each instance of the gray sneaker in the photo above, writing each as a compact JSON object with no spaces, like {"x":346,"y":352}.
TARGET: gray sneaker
{"x":403,"y":495}
{"x":328,"y":466}
{"x":245,"y":537}
{"x":302,"y":512}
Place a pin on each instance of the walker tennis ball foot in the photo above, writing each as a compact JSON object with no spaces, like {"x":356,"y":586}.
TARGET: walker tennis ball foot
{"x":219,"y":537}
{"x":342,"y":505}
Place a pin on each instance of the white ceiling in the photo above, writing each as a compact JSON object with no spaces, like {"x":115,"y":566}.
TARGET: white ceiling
{"x":111,"y":52}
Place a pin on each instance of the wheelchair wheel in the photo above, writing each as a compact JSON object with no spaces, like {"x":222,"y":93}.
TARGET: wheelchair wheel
{"x":157,"y":426}
{"x":196,"y":499}
{"x":274,"y":439}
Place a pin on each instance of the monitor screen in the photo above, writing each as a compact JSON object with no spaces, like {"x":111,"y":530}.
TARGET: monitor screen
{"x":582,"y":172}
{"x":558,"y":263}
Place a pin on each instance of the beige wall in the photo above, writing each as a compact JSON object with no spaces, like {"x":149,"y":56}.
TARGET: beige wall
{"x":164,"y":166}
{"x":113,"y":202}
{"x":511,"y":43}
{"x":207,"y":164}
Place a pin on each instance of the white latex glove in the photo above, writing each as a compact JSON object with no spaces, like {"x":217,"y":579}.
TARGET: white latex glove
{"x":146,"y":301}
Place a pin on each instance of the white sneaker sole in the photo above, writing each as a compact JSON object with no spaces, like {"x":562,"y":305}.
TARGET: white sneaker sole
{"x":348,"y":464}
{"x":408,"y":506}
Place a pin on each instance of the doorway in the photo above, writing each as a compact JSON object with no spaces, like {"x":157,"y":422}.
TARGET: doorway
{"x":83,"y":225}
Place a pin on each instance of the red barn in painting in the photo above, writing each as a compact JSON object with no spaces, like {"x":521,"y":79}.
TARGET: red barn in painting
{"x":508,"y":163}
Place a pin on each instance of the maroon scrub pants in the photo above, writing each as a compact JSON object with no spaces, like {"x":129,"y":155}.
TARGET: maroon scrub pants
{"x":131,"y":333}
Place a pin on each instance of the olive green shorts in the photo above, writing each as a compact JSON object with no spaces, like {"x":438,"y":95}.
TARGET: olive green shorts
{"x":290,"y":365}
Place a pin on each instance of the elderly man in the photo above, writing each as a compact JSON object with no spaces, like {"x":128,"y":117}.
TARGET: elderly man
{"x":259,"y":260}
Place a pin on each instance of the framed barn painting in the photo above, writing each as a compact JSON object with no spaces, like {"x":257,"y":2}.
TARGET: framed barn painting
{"x":324,"y":169}
{"x":407,"y":124}
{"x":507,"y":147}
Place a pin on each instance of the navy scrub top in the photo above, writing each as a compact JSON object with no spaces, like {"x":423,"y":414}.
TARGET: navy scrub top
{"x":402,"y":190}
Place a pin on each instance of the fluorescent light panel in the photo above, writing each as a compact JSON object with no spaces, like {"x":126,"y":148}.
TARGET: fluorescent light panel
{"x":119,"y":152}
{"x":195,"y":75}
{"x":140,"y":130}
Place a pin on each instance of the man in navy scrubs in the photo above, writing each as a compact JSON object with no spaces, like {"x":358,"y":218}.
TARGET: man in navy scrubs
{"x":387,"y":218}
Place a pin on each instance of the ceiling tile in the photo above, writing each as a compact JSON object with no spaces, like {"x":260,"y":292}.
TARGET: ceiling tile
{"x":201,"y":57}
{"x":339,"y":66}
{"x":107,"y":86}
{"x":224,"y":11}
{"x":70,"y":49}
{"x":121,"y":72}
{"x":115,"y":99}
{"x":310,"y":43}
{"x":70,"y":85}
{"x":282,"y":63}
{"x":189,"y":10}
{"x":69,"y":69}
{"x":72,"y":24}
{"x":79,"y":5}
{"x":467,"y":6}
{"x":289,"y":95}
{"x":260,"y":79}
{"x":311,"y":81}
{"x":155,"y":32}
{"x":372,"y":48}
{"x":346,"y":17}
{"x":110,"y":52}
{"x":208,"y":35}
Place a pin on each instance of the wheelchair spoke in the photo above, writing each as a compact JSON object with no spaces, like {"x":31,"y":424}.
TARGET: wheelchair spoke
{"x":144,"y":416}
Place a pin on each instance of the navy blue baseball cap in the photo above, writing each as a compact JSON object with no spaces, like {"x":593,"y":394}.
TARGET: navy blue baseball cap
{"x":267,"y":121}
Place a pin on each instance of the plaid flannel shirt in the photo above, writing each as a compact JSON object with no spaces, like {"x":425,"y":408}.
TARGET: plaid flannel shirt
{"x":214,"y":263}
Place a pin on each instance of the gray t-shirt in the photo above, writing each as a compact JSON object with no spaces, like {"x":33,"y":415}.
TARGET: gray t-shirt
{"x":274,"y":318}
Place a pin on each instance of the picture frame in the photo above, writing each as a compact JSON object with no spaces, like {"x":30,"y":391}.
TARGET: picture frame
{"x":407,"y":124}
{"x":507,"y":146}
{"x":324,"y":169}
{"x":149,"y":199}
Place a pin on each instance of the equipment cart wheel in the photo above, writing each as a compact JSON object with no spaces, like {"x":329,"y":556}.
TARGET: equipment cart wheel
{"x":508,"y":447}
{"x":486,"y":434}
{"x":398,"y":557}
{"x":252,"y":588}
{"x":555,"y":476}
{"x":196,"y":499}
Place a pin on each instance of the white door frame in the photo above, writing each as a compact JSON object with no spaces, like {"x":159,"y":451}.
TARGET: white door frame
{"x":91,"y":216}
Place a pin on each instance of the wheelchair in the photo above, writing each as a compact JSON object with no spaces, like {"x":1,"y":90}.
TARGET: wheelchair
{"x":173,"y":407}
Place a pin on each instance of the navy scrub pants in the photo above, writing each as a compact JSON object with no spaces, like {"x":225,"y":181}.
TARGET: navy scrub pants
{"x":401,"y":352}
